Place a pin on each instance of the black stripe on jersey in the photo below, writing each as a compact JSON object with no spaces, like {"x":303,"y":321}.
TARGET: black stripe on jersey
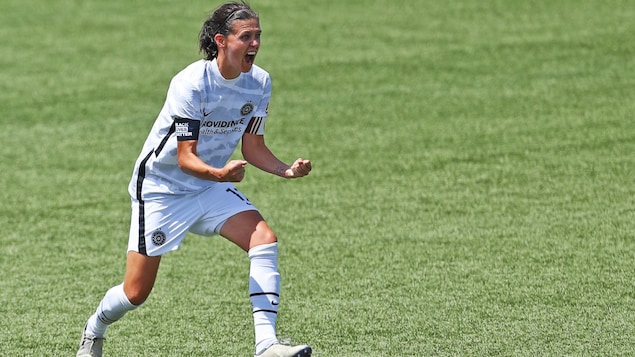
{"x":165,"y":139}
{"x":264,"y":310}
{"x":254,"y":125}
{"x":142,"y":229}
{"x":141,"y":175}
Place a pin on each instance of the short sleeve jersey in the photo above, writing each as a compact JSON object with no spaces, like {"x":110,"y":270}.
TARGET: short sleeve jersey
{"x":200,"y":105}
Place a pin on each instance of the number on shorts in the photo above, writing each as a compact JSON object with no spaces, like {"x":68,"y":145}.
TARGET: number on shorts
{"x":241,"y":197}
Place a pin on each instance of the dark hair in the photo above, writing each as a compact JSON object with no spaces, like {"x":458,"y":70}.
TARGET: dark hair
{"x":220,"y":22}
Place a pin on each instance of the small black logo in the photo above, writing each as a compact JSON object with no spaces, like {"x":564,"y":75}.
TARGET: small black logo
{"x":158,"y":238}
{"x":207,"y":114}
{"x":246,"y":109}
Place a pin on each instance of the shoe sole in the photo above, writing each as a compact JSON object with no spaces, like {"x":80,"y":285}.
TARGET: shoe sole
{"x":304,"y":353}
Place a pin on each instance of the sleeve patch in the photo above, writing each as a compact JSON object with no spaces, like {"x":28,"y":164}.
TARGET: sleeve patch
{"x":186,"y":129}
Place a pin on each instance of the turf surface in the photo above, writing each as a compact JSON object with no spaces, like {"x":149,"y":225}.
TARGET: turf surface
{"x":472,"y":192}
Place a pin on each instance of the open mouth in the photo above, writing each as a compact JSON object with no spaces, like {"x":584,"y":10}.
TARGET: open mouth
{"x":251,"y":56}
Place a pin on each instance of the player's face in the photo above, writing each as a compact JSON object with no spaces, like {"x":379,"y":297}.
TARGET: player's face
{"x":241,"y":47}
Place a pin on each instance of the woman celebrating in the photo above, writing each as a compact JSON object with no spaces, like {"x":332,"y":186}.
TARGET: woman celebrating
{"x":182,"y":180}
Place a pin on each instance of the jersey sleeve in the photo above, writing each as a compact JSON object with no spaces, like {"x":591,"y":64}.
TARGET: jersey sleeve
{"x":184,"y":99}
{"x":256,"y":125}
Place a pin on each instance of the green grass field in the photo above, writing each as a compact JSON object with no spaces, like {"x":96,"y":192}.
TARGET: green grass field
{"x":473,"y":190}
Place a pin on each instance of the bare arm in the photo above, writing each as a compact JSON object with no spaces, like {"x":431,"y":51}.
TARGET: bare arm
{"x":256,"y":152}
{"x":191,"y":164}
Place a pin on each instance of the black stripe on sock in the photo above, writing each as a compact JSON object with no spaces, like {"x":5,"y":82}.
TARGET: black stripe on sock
{"x":263,"y":293}
{"x":104,"y":319}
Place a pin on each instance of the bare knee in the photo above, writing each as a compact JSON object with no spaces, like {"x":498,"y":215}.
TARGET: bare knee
{"x":247,"y":230}
{"x":263,"y":236}
{"x":137,"y":295}
{"x":141,"y":272}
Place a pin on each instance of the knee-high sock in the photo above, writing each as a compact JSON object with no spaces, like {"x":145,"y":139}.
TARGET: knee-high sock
{"x":112,"y":307}
{"x":264,"y":293}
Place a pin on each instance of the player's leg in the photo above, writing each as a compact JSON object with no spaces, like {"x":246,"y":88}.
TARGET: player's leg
{"x":147,"y":242}
{"x":249,"y":231}
{"x":141,"y":272}
{"x":232,"y":216}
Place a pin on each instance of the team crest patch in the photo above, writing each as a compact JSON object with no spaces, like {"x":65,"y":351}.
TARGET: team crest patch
{"x":247,"y":108}
{"x":158,"y":238}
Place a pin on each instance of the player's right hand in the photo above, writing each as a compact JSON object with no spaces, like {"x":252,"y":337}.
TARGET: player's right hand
{"x":234,"y":171}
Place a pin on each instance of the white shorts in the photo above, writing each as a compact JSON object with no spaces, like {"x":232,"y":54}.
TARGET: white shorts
{"x":160,"y":222}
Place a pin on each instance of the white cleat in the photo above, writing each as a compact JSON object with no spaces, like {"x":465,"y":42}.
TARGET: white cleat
{"x":90,"y":346}
{"x":279,"y":350}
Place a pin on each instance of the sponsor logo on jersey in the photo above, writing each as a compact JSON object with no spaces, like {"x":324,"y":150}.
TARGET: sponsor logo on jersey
{"x":215,"y":127}
{"x":158,"y":238}
{"x":247,"y":108}
{"x":222,"y":123}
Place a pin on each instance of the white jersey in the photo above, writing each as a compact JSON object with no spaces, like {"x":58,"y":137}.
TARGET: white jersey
{"x":200,"y":105}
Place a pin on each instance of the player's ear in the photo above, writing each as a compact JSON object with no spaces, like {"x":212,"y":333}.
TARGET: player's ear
{"x":220,"y":40}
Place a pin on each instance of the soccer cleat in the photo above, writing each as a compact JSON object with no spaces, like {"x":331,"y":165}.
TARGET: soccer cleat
{"x":279,"y":350}
{"x":90,"y":346}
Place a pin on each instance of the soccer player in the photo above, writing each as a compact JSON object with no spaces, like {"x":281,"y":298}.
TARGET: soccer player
{"x":183,"y":179}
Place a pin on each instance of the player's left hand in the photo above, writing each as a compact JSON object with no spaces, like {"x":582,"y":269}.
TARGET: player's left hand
{"x":299,"y":168}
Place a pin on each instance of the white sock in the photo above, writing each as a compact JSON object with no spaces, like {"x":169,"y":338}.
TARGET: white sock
{"x":112,"y":307}
{"x":264,"y":292}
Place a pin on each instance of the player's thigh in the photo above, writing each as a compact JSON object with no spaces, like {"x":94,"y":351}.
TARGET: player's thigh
{"x":247,"y":229}
{"x":141,"y":273}
{"x":230,"y":214}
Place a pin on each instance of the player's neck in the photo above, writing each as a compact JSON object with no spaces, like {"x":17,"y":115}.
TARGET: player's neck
{"x":226,"y":70}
